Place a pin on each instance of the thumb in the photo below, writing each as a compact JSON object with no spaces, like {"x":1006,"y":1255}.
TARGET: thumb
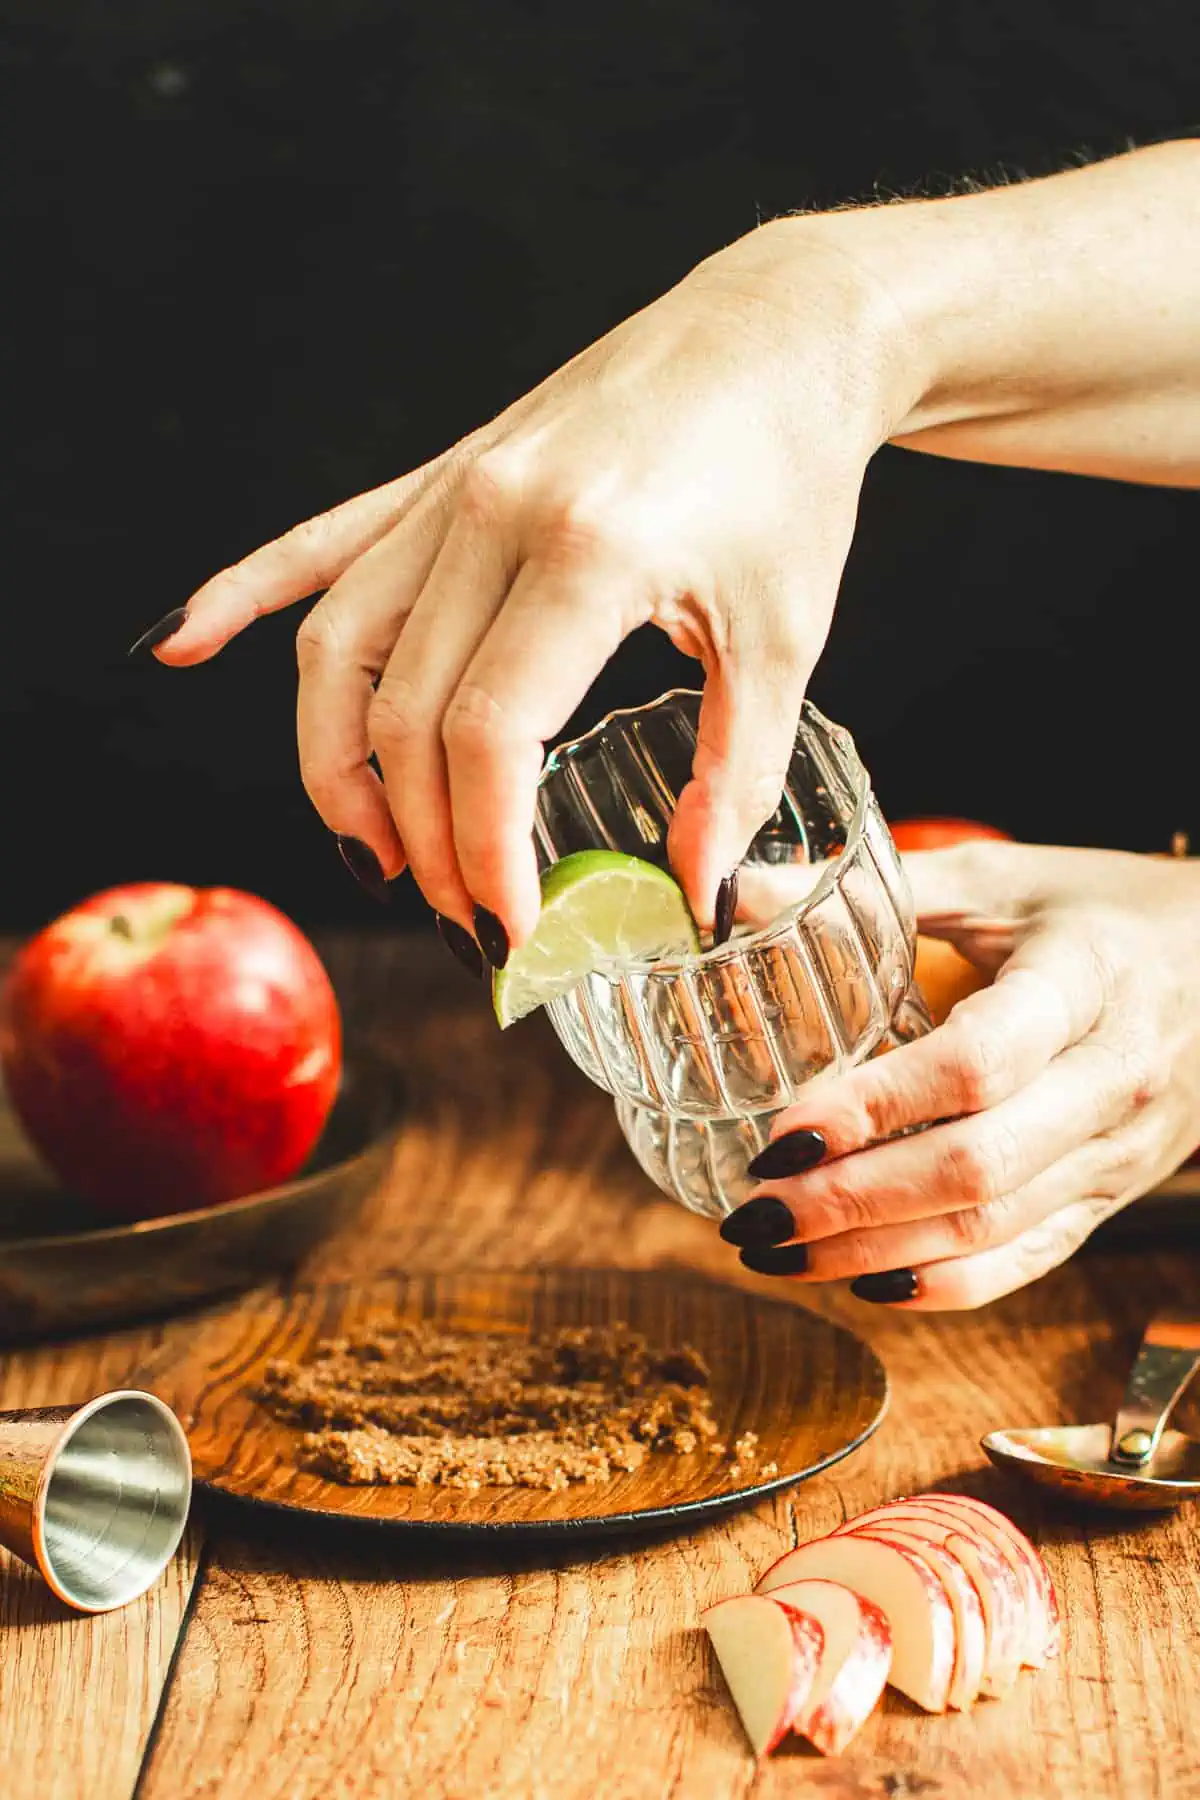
{"x":747,"y":731}
{"x":974,"y":896}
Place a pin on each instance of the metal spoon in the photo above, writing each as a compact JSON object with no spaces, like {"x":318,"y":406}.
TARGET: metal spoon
{"x":1133,"y":1462}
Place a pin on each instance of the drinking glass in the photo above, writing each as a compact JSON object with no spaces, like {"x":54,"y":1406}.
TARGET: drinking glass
{"x":701,"y":1051}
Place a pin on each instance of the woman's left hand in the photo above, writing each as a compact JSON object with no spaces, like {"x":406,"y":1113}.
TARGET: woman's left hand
{"x":1053,"y":1097}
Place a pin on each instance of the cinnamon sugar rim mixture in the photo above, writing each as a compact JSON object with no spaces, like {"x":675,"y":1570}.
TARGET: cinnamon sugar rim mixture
{"x":424,"y":1406}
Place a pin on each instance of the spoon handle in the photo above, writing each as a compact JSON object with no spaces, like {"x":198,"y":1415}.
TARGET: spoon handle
{"x":1166,"y":1362}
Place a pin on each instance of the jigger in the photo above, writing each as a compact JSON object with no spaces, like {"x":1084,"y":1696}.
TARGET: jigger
{"x":95,"y":1496}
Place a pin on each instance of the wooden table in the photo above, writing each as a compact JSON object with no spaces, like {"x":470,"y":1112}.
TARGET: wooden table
{"x":289,"y":1662}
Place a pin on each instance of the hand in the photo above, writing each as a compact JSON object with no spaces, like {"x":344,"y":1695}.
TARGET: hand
{"x":698,"y":468}
{"x":1053,"y":1097}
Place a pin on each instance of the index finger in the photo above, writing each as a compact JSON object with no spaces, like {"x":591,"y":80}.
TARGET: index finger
{"x":556,"y":630}
{"x":309,"y":557}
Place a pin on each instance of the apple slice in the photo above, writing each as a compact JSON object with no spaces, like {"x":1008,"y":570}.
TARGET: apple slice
{"x":970,"y":1637}
{"x":996,"y":1581}
{"x":1040,"y":1599}
{"x":769,"y":1655}
{"x":911,"y":1597}
{"x":855,"y":1660}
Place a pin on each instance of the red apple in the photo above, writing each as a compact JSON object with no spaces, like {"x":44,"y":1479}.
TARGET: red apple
{"x":1041,"y":1603}
{"x":769,"y":1655}
{"x":996,"y":1581}
{"x":856,"y":1655}
{"x":943,"y":976}
{"x":906,"y":1590}
{"x":970,"y":1637}
{"x":171,"y":1047}
{"x":939,"y":834}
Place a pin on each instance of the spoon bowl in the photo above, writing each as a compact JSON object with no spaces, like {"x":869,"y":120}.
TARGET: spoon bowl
{"x":1135,"y":1463}
{"x":1075,"y":1460}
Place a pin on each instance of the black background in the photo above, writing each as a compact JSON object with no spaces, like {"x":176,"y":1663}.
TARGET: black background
{"x":261,"y":256}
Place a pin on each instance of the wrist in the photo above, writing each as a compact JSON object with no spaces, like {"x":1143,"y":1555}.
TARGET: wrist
{"x":1033,"y":299}
{"x":808,"y":287}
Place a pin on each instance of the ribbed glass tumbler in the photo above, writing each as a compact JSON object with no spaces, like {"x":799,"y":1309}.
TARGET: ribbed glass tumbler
{"x":700,"y":1053}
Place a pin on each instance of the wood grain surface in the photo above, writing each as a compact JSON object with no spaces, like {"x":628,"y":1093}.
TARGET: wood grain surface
{"x":807,"y":1390}
{"x":78,"y":1696}
{"x":319,"y":1661}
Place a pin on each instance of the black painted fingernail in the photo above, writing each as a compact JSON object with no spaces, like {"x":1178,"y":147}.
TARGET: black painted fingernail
{"x":788,"y":1155}
{"x":775,"y":1259}
{"x":763,"y":1220}
{"x":461,"y":945}
{"x":887,"y":1288}
{"x":158,"y":634}
{"x":725,"y":909}
{"x":365,"y":867}
{"x":492,"y":937}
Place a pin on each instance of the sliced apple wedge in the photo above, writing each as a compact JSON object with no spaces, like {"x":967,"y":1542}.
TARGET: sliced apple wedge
{"x":1040,"y":1599}
{"x":970,"y":1636}
{"x":911,"y":1597}
{"x":996,"y":1581}
{"x":769,"y":1655}
{"x":855,"y":1660}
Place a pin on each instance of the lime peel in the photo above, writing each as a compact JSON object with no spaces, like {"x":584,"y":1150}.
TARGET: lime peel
{"x":599,"y":909}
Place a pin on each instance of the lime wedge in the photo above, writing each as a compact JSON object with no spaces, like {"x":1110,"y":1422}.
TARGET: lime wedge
{"x":599,"y":909}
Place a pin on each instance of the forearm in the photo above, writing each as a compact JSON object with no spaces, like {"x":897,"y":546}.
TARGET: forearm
{"x":1055,"y":324}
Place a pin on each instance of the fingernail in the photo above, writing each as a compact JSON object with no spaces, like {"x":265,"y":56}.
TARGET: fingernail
{"x":492,"y":937}
{"x":763,"y":1220}
{"x":775,"y":1259}
{"x":461,"y":945}
{"x":725,"y":909}
{"x":887,"y":1288}
{"x":788,"y":1155}
{"x":365,"y":867}
{"x":158,"y":634}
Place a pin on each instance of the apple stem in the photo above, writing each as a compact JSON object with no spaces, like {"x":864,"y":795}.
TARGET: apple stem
{"x":120,"y":927}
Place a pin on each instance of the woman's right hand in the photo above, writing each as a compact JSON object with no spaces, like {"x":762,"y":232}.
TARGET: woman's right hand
{"x":699,"y":468}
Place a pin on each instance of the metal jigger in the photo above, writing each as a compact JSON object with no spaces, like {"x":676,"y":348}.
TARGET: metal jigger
{"x":95,"y":1497}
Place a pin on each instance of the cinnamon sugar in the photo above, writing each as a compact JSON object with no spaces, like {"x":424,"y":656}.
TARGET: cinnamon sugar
{"x":425,"y":1406}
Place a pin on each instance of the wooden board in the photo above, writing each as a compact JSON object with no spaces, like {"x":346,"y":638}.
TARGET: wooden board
{"x":809,"y":1392}
{"x":79,"y":1696}
{"x":319,"y":1664}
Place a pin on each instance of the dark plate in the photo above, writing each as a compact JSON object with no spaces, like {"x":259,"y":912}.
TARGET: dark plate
{"x":811,"y":1391}
{"x":58,"y":1273}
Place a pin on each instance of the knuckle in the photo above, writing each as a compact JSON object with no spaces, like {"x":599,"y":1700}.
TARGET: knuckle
{"x":965,"y":1169}
{"x":1148,"y":1074}
{"x":978,"y":1065}
{"x":578,"y":528}
{"x":848,"y":1208}
{"x":392,"y":717}
{"x":862,"y":1254}
{"x":879,"y":1114}
{"x":314,"y":542}
{"x":759,"y":793}
{"x":1121,"y":1157}
{"x":318,"y":639}
{"x":475,"y":724}
{"x":490,"y":485}
{"x":977,"y":1228}
{"x":325,"y":780}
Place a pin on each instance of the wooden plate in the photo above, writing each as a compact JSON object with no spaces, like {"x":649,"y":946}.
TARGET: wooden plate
{"x":810,"y":1390}
{"x":63,"y":1271}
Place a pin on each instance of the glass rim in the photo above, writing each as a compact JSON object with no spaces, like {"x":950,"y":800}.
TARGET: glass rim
{"x":830,"y":878}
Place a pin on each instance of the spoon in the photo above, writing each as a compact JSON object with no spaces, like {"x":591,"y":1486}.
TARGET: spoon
{"x":1134,"y":1462}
